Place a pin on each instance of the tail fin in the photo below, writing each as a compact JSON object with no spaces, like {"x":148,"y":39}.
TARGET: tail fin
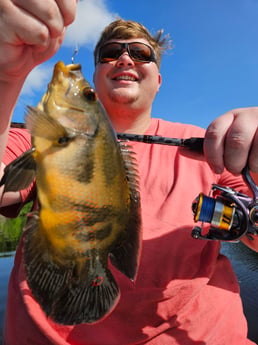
{"x":87,"y":300}
{"x":70,"y":292}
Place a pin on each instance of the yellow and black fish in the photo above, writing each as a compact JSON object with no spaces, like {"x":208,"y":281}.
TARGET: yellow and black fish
{"x":89,"y":203}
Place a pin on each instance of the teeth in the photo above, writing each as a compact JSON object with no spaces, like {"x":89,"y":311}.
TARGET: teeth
{"x":125,"y":77}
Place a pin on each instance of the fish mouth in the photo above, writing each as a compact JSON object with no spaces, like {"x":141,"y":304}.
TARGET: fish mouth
{"x":66,"y":69}
{"x":64,"y":72}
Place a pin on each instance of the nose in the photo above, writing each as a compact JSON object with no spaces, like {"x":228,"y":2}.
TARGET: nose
{"x":125,"y":59}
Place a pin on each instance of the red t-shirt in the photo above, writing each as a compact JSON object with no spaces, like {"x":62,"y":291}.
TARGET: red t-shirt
{"x":186,"y":292}
{"x":19,"y":141}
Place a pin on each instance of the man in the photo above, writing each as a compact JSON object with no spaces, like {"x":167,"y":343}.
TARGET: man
{"x":185,"y":292}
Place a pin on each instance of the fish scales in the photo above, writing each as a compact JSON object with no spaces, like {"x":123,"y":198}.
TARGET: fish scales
{"x":89,"y":202}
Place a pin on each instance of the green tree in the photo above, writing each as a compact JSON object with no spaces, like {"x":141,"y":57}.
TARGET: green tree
{"x":11,"y":230}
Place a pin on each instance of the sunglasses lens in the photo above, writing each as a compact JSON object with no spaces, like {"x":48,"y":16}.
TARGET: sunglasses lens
{"x":140,"y":52}
{"x":137,"y":51}
{"x":110,"y":52}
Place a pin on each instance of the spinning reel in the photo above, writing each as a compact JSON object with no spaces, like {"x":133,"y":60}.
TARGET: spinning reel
{"x":231,"y":214}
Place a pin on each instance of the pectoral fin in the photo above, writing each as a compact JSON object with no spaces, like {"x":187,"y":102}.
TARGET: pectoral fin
{"x":19,"y":174}
{"x":41,"y":125}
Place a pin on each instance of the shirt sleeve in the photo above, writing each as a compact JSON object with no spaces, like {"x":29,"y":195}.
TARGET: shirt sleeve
{"x":19,"y":141}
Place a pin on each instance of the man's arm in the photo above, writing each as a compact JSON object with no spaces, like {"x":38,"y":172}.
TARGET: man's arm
{"x":30,"y":33}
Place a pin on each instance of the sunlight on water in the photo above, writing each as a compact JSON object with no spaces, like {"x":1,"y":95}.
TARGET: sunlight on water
{"x":245,"y":264}
{"x":6,"y":263}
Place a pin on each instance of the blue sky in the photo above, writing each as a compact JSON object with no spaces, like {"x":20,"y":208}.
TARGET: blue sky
{"x":212,"y":68}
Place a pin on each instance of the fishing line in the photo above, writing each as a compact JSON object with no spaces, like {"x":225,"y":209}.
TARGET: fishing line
{"x":75,"y":52}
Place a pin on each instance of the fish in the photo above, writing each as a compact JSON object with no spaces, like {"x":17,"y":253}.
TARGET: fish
{"x":89,"y":216}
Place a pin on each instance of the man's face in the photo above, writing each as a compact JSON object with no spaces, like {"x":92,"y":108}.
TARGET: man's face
{"x":126,"y":81}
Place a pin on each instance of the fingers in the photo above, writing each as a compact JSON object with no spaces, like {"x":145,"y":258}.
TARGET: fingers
{"x":21,"y":28}
{"x":31,"y":31}
{"x":42,"y":14}
{"x":214,"y":142}
{"x":231,"y":141}
{"x":239,"y":141}
{"x":68,"y":10}
{"x":253,"y":157}
{"x":35,"y":22}
{"x":55,"y":15}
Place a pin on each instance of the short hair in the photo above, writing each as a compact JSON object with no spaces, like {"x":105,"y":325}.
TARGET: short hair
{"x":127,"y":29}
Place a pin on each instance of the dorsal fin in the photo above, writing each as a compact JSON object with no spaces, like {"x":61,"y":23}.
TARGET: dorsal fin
{"x":126,"y":257}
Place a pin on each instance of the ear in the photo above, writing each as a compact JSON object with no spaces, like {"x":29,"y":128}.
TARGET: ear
{"x":159,"y":81}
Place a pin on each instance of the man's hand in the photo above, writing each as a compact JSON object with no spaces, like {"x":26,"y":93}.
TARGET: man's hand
{"x":231,"y":141}
{"x":31,"y":31}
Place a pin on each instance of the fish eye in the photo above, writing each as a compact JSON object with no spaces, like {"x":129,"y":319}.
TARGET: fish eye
{"x":63,"y":140}
{"x":90,"y":94}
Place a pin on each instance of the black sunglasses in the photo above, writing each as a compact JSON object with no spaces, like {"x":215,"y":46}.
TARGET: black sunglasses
{"x":138,"y":51}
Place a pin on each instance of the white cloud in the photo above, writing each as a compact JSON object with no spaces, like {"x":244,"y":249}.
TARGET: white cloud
{"x":37,"y":80}
{"x":92,"y":16}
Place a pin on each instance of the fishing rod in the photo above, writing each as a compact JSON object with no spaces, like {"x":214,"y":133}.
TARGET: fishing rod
{"x":17,"y":125}
{"x":194,"y":144}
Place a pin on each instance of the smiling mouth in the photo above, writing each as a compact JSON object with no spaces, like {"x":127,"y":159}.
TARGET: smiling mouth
{"x":125,"y":77}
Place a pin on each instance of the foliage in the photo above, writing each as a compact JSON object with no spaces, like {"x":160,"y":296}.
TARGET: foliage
{"x":11,"y":230}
